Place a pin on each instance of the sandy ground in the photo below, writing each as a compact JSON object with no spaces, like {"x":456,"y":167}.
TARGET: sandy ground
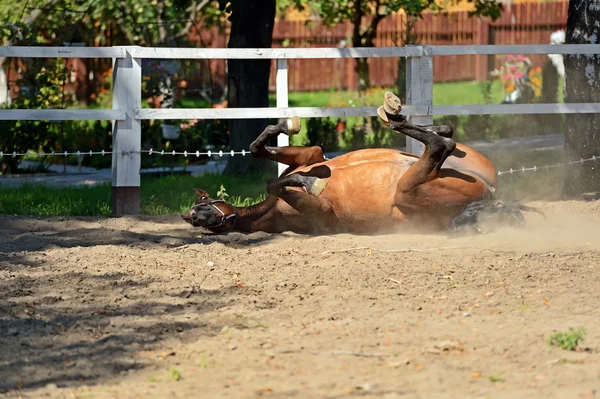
{"x":149,"y":308}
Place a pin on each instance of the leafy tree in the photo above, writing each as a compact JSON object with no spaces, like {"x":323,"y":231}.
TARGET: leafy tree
{"x":127,"y":22}
{"x":54,"y":22}
{"x":582,"y":85}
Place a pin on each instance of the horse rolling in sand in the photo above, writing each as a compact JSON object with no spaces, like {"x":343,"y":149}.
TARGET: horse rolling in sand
{"x":367,"y":191}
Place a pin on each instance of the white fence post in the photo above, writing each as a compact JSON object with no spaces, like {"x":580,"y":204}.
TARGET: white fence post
{"x":283,"y":140}
{"x":419,"y":91}
{"x":127,"y":136}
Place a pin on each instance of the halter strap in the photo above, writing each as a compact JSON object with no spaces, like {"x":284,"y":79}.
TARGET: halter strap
{"x":224,"y":217}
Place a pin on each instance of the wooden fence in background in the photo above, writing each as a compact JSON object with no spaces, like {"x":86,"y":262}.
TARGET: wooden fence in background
{"x":523,"y":23}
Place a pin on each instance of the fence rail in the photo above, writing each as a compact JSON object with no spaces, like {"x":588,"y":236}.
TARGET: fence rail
{"x":120,"y":52}
{"x":127,"y":112}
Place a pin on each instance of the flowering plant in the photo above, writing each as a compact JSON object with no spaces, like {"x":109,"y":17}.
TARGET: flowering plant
{"x":517,"y":73}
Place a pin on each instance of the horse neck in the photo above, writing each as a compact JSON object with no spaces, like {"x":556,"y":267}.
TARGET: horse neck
{"x":248,"y":215}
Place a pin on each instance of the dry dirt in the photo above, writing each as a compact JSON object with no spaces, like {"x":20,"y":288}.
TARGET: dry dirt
{"x":149,"y":308}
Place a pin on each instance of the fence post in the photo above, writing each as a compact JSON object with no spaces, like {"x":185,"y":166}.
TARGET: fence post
{"x":483,"y":37}
{"x":126,"y":136}
{"x":419,"y":91}
{"x":281,"y":84}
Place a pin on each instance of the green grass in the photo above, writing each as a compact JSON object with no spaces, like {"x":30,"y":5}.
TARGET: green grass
{"x":175,"y":374}
{"x":158,"y":196}
{"x":567,"y":341}
{"x":471,"y":93}
{"x":443,"y":94}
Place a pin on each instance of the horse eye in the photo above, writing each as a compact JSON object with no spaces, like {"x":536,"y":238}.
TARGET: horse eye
{"x":204,"y":198}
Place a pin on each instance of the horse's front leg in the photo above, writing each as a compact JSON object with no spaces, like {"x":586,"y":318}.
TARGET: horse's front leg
{"x":291,"y":156}
{"x":313,"y":185}
{"x":314,"y":214}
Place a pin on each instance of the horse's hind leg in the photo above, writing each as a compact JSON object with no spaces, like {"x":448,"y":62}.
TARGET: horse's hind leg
{"x":437,"y":147}
{"x":291,"y":156}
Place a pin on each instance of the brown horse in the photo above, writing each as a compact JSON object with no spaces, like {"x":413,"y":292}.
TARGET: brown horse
{"x":365,"y":191}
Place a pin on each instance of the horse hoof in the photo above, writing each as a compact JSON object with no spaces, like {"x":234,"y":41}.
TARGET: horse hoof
{"x":317,"y":187}
{"x":392,"y":104}
{"x":293,"y":126}
{"x":383,"y":116}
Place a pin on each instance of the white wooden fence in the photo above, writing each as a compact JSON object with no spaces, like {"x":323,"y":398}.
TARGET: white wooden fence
{"x":127,"y":113}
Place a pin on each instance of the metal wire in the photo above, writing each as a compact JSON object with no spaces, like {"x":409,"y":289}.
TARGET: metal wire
{"x":220,"y":153}
{"x":546,"y":167}
{"x":232,"y":153}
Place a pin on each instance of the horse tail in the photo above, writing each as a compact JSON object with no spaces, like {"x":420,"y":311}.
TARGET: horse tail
{"x":526,"y":208}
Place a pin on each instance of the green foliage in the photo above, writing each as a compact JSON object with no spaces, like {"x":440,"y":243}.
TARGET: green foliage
{"x":54,"y":22}
{"x":478,"y":127}
{"x":568,"y":341}
{"x":131,"y":22}
{"x":175,"y":374}
{"x":323,"y":132}
{"x":334,"y":12}
{"x":355,"y":137}
{"x":41,"y":87}
{"x":222,"y":193}
{"x":197,"y":135}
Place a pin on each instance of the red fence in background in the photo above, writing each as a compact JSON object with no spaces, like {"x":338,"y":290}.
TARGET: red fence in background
{"x":523,"y":23}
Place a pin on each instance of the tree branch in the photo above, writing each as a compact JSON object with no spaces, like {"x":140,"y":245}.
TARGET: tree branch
{"x":370,"y":33}
{"x":194,"y":9}
{"x":162,"y":31}
{"x":122,"y":22}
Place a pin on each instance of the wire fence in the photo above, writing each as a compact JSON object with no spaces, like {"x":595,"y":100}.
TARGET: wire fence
{"x":547,"y":167}
{"x":232,"y":153}
{"x":103,"y":153}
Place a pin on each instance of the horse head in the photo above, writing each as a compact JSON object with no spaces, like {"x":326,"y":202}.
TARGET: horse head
{"x":217,"y":216}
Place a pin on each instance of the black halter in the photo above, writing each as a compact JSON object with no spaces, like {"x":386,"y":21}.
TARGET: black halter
{"x":224,"y":217}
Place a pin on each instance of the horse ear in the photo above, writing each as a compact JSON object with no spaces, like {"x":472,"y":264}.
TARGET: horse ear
{"x":200,"y":193}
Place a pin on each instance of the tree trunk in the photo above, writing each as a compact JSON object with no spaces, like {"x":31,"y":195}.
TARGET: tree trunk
{"x":362,"y":64}
{"x":410,"y":37}
{"x":362,"y":69}
{"x":401,"y":79}
{"x":248,"y":80}
{"x":582,"y":85}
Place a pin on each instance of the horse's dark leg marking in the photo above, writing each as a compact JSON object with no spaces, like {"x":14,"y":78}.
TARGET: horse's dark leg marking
{"x":442,"y":130}
{"x":313,"y":185}
{"x":259,"y":148}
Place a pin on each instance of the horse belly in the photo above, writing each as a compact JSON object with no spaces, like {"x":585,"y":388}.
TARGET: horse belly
{"x":362,"y":196}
